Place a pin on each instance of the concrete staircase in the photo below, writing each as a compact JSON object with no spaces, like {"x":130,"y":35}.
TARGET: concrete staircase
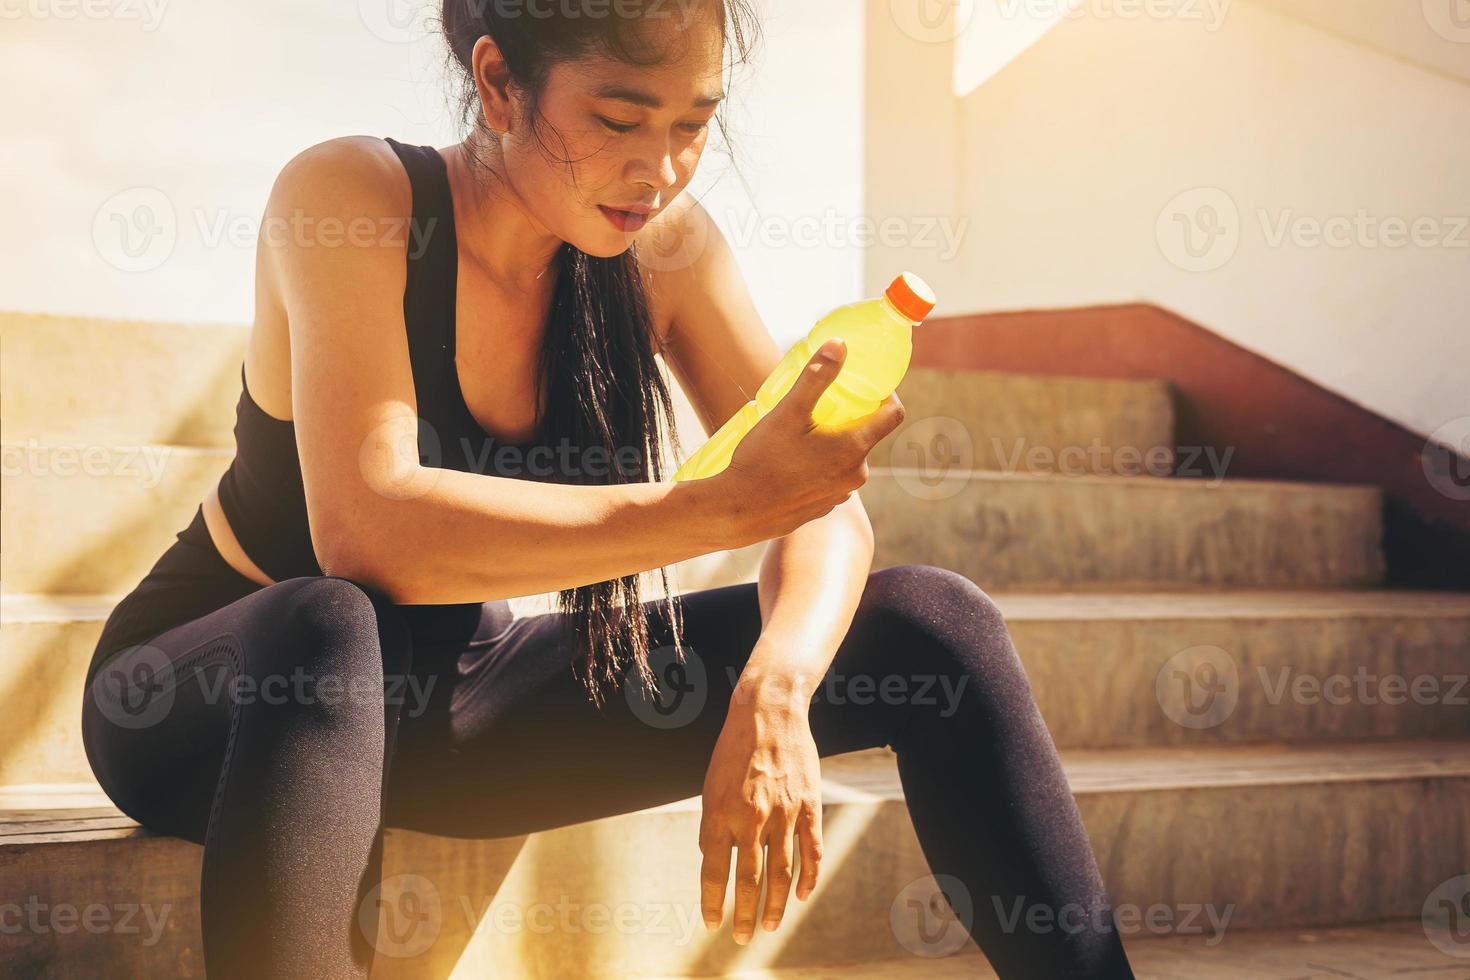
{"x":1270,"y":753}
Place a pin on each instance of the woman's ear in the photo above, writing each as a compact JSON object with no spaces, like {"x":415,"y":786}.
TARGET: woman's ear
{"x":492,"y":82}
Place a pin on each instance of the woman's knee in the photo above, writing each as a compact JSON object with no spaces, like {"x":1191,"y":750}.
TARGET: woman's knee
{"x":947,"y":616}
{"x":933,"y":598}
{"x":333,"y":626}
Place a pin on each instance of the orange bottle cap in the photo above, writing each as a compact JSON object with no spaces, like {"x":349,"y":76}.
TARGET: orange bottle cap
{"x":911,"y":296}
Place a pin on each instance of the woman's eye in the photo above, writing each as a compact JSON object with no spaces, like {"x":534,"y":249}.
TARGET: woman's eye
{"x":617,"y":127}
{"x":695,"y":129}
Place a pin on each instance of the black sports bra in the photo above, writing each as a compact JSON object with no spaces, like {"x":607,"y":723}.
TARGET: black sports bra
{"x":262,"y":494}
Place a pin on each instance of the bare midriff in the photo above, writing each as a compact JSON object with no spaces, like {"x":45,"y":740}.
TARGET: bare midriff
{"x":226,"y":543}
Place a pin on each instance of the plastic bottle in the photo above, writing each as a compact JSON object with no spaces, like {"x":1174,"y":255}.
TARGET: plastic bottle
{"x":879,"y":337}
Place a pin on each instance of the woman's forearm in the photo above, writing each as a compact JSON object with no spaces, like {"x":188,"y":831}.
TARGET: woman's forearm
{"x":468,"y":537}
{"x":810,"y":584}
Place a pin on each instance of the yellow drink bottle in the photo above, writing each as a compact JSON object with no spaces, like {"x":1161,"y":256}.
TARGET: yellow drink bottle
{"x":879,"y":337}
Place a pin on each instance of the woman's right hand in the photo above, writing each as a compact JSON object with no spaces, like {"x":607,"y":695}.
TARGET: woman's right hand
{"x":789,"y":470}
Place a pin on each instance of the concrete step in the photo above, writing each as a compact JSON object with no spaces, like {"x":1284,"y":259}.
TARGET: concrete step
{"x":130,"y":382}
{"x":82,"y":520}
{"x":1119,"y":669}
{"x":94,"y":519}
{"x":119,"y":383}
{"x":1383,"y":951}
{"x":1031,"y":423}
{"x":1277,"y":836}
{"x":1045,"y":532}
{"x":1235,"y":667}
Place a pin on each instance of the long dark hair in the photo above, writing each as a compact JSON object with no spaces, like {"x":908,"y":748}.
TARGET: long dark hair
{"x":602,"y":384}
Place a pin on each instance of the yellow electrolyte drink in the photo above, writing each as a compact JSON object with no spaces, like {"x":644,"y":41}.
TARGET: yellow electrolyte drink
{"x":879,"y":337}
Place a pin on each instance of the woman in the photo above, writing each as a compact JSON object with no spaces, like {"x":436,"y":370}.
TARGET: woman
{"x":476,"y":305}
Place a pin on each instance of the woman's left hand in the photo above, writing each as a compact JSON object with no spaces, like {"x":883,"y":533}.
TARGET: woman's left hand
{"x":762,"y":790}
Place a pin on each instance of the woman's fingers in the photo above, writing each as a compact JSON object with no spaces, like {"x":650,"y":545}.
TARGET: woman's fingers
{"x":747,"y":886}
{"x":714,"y":877}
{"x":809,"y":838}
{"x":780,"y":858}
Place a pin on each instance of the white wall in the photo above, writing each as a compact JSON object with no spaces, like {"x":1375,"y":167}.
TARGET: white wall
{"x":179,"y":116}
{"x":1083,"y":161}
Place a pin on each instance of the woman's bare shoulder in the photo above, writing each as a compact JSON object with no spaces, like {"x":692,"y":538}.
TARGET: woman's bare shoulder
{"x":681,"y":254}
{"x":342,"y":192}
{"x":342,"y":178}
{"x":333,"y":242}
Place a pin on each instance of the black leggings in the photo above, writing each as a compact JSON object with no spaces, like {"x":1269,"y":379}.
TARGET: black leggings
{"x":288,"y":775}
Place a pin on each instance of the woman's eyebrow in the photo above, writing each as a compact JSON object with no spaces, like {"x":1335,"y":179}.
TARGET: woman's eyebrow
{"x":647,"y":99}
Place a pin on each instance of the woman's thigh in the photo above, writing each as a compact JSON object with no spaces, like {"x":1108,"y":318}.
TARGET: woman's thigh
{"x":508,"y":742}
{"x":159,"y":717}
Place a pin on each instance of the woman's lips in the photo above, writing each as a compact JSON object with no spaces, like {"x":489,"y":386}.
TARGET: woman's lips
{"x":626,"y":221}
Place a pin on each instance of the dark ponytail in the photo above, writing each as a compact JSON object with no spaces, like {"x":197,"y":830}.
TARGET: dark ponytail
{"x":603,"y":388}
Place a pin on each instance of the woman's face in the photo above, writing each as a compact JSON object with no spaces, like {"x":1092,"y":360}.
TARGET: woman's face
{"x":633,"y":136}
